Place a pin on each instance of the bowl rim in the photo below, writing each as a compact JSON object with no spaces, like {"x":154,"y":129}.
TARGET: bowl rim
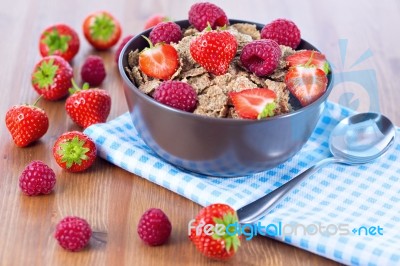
{"x":232,"y":121}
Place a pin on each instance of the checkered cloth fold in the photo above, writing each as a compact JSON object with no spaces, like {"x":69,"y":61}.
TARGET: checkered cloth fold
{"x":349,"y":214}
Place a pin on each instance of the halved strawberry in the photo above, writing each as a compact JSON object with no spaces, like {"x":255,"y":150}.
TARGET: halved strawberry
{"x":306,"y":83}
{"x":254,"y":103}
{"x":312,"y":58}
{"x":159,"y":61}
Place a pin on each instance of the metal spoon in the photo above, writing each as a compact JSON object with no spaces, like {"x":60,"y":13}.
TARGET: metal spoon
{"x":358,"y":139}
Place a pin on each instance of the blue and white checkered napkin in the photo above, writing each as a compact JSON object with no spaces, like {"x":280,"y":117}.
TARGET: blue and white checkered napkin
{"x":337,"y":206}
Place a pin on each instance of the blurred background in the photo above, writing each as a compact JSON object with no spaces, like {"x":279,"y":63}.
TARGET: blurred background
{"x":358,"y":37}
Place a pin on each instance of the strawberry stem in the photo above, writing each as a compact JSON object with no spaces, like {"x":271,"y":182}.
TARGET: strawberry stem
{"x":102,"y":28}
{"x":37,"y":100}
{"x":149,"y":42}
{"x":208,"y":28}
{"x":310,"y":59}
{"x":232,"y":240}
{"x":76,"y":88}
{"x":45,"y":74}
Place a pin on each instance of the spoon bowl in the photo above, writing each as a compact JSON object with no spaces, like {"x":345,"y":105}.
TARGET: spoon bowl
{"x":357,"y":139}
{"x":362,"y":137}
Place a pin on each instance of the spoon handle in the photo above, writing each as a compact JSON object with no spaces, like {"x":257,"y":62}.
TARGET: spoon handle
{"x":252,"y":212}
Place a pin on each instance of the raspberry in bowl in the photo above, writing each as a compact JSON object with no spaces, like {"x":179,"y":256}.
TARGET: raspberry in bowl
{"x":247,"y":119}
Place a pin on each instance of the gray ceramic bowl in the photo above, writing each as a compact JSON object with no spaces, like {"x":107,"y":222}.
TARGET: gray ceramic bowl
{"x":218,"y":146}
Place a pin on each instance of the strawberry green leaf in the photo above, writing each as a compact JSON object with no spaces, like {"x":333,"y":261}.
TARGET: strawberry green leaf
{"x":102,"y":28}
{"x":149,"y":42}
{"x":326,"y":67}
{"x":73,"y":152}
{"x":235,"y":243}
{"x":268,"y":111}
{"x":231,"y":241}
{"x":45,"y":73}
{"x":75,"y":88}
{"x":55,"y":41}
{"x":228,"y":244}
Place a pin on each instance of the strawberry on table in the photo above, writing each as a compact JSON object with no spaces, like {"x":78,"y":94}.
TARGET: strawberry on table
{"x":88,"y":106}
{"x":214,"y":50}
{"x":61,"y":40}
{"x":74,"y":151}
{"x":254,"y":103}
{"x":159,"y":61}
{"x":26,"y":123}
{"x":154,"y":20}
{"x":102,"y":30}
{"x":302,"y":57}
{"x":51,"y":77}
{"x":215,"y":246}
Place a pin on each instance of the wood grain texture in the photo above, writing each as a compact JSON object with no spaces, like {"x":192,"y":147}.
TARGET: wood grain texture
{"x":111,"y":199}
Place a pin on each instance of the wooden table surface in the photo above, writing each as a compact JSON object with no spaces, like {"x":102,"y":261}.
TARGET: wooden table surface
{"x":111,"y":199}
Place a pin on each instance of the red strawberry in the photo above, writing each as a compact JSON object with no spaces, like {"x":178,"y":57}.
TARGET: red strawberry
{"x":101,"y":30}
{"x":159,"y":61}
{"x":52,"y":77}
{"x":26,"y":123}
{"x":313,"y":58}
{"x":254,"y":103}
{"x":154,"y":20}
{"x":214,"y":50}
{"x":88,"y":106}
{"x":59,"y":40}
{"x":74,"y":151}
{"x":215,"y":245}
{"x":306,"y":83}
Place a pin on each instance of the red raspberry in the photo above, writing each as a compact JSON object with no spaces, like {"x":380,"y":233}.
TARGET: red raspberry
{"x":37,"y":178}
{"x":283,"y":31}
{"x":261,"y":57}
{"x":176,"y":94}
{"x":154,"y":227}
{"x":166,"y":32}
{"x":121,"y":45}
{"x":93,"y":70}
{"x":202,"y":13}
{"x":73,"y":233}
